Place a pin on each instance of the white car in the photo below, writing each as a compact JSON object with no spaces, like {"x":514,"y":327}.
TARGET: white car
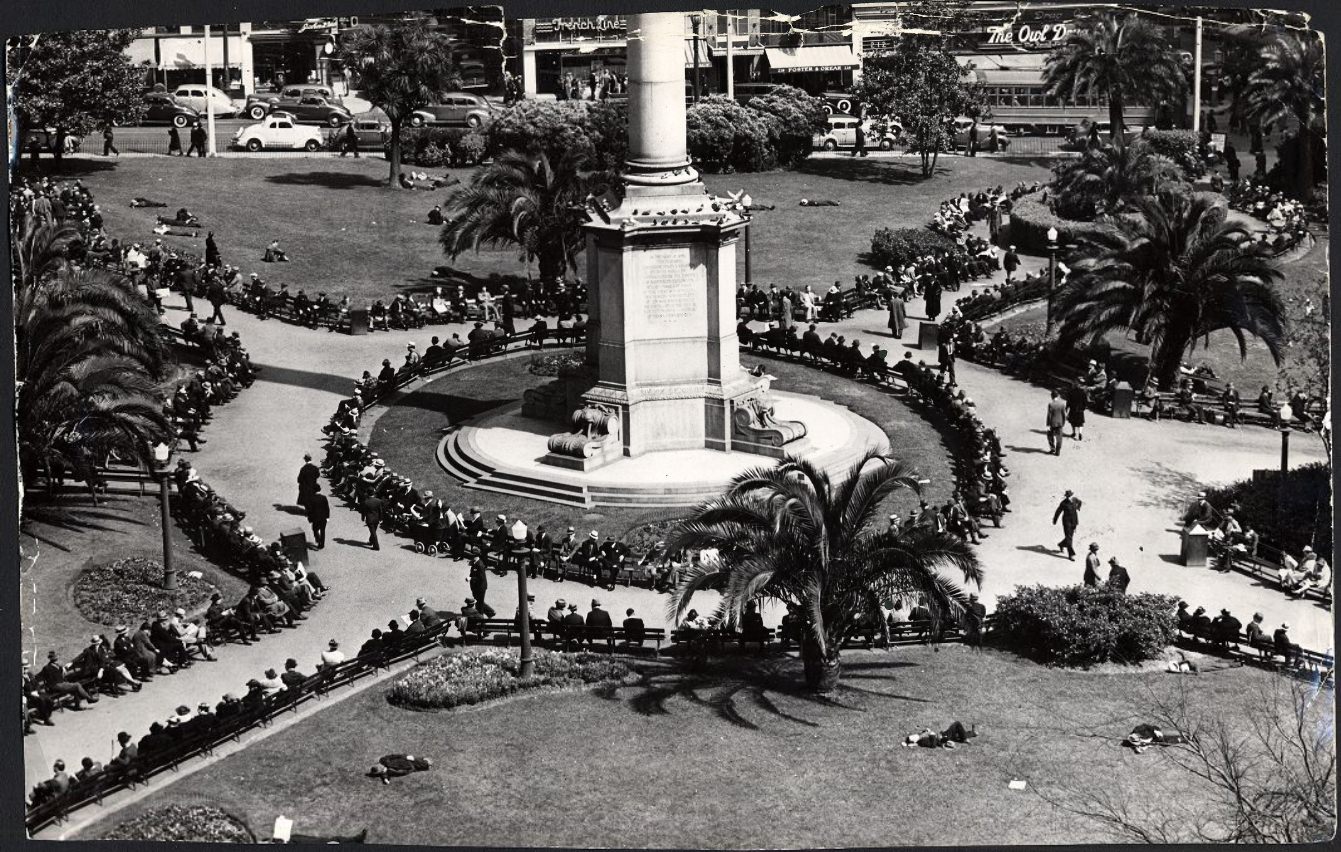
{"x":842,"y":133}
{"x":194,"y":95}
{"x":278,"y":131}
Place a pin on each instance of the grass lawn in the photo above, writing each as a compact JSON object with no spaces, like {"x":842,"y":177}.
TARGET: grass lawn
{"x":58,"y":540}
{"x":408,"y":439}
{"x":736,"y":756}
{"x":347,"y":234}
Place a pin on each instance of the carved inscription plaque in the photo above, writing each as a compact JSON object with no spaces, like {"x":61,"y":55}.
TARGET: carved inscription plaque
{"x":672,"y":290}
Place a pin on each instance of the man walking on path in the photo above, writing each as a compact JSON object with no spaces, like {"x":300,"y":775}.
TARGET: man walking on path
{"x":1092,"y":566}
{"x":109,"y":141}
{"x":350,"y":141}
{"x":318,"y":510}
{"x":1056,"y":419}
{"x":217,"y":297}
{"x":1118,"y":578}
{"x":1068,"y":511}
{"x":372,"y":516}
{"x":198,"y":139}
{"x":1011,"y":263}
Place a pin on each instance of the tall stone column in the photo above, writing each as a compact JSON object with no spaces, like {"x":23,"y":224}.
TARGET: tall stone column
{"x":657,"y":152}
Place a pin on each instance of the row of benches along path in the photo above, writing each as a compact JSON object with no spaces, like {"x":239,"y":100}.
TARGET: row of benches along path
{"x":1133,"y":477}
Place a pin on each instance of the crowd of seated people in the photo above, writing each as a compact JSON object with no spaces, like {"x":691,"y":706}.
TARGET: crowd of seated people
{"x":1226,"y":633}
{"x":1286,"y":218}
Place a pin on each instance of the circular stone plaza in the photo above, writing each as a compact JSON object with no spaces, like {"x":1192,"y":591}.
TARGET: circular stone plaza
{"x":679,"y":384}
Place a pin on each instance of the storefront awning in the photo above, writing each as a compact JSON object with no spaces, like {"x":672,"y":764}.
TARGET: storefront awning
{"x":819,"y":57}
{"x":704,"y":53}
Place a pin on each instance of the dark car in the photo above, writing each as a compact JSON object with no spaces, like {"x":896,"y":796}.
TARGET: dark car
{"x":163,"y":108}
{"x":262,"y":103}
{"x":316,"y":110}
{"x":369,"y":132}
{"x":455,"y":108}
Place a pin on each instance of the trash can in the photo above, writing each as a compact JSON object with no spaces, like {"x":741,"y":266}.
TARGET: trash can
{"x":358,"y":321}
{"x":928,"y":335}
{"x":1196,"y":545}
{"x":1123,"y":395}
{"x":294,"y":543}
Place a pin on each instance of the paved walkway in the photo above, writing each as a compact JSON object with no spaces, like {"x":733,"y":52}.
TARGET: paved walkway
{"x":1133,"y":476}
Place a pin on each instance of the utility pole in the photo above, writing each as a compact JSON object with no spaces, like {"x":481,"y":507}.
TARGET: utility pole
{"x":696,"y":19}
{"x":209,"y":92}
{"x":730,"y":54}
{"x":1196,"y":82}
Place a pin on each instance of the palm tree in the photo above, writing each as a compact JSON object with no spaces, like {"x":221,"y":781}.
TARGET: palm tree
{"x":1124,"y":57}
{"x":523,"y":200}
{"x":1104,"y":178}
{"x":1240,"y":56}
{"x":1288,"y":89}
{"x":789,"y":534}
{"x":1174,"y":271}
{"x":399,"y":68}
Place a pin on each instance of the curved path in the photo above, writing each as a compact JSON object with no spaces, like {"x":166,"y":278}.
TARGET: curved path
{"x":1133,"y":476}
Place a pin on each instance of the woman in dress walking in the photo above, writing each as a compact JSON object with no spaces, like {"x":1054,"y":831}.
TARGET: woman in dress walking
{"x":898,"y":317}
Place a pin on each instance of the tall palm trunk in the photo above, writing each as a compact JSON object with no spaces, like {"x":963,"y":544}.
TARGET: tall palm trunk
{"x":1169,"y":356}
{"x":394,"y":180}
{"x":1115,"y":118}
{"x":1304,"y":173}
{"x":821,"y":672}
{"x":552,"y":258}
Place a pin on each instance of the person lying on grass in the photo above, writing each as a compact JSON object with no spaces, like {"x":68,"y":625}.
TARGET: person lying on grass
{"x":1144,"y":735}
{"x":138,"y":201}
{"x":927,"y":738}
{"x":820,"y":202}
{"x":395,"y":765}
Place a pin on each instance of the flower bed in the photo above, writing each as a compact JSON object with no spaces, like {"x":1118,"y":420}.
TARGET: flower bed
{"x":199,"y":823}
{"x":128,"y":591}
{"x":557,"y":364}
{"x":475,"y":676}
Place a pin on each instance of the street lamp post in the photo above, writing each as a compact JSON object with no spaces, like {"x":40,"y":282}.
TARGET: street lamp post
{"x":1286,"y":417}
{"x":162,"y":453}
{"x":1052,"y":273}
{"x":745,"y":203}
{"x":696,"y":21}
{"x":523,"y":612}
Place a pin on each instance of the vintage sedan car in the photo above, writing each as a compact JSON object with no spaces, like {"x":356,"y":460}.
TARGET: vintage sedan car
{"x":842,"y":133}
{"x":196,"y":96}
{"x":163,"y":108}
{"x":963,"y":125}
{"x":278,"y":132}
{"x":454,"y":109}
{"x":370,"y":132}
{"x":260,"y":104}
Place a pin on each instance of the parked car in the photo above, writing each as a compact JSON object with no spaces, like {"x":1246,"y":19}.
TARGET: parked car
{"x":842,"y":133}
{"x":195,"y":96}
{"x":258,"y":105}
{"x":1080,"y":134}
{"x":162,"y":108}
{"x":455,"y":108}
{"x":370,"y":132}
{"x":961,"y":133}
{"x":278,"y":131}
{"x":315,"y":110}
{"x":45,"y":137}
{"x":839,"y":103}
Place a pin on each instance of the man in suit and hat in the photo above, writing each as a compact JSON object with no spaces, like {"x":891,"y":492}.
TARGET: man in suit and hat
{"x":1068,"y":512}
{"x":371,"y":508}
{"x":479,"y":585}
{"x":1092,"y":566}
{"x":309,"y":477}
{"x":1054,"y":421}
{"x":1118,"y":578}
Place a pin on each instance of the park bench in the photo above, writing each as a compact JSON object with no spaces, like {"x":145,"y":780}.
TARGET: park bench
{"x":1240,"y":648}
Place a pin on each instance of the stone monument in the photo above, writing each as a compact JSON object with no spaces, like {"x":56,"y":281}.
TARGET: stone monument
{"x":661,"y":268}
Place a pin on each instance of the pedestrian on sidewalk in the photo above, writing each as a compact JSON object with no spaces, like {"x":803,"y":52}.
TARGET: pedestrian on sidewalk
{"x":1118,"y":578}
{"x":309,"y":480}
{"x":349,"y":141}
{"x":318,"y":511}
{"x":372,"y":517}
{"x":1076,"y":402}
{"x":174,"y":142}
{"x":1092,"y":566}
{"x":1011,"y":263}
{"x":1068,"y":511}
{"x":898,"y":316}
{"x":1055,"y":420}
{"x":109,"y":141}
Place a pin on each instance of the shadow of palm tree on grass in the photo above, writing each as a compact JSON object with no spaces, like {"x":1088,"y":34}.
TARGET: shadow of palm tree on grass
{"x":728,"y":687}
{"x":328,"y":180}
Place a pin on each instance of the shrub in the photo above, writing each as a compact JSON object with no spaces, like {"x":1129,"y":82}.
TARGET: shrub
{"x":724,"y":136}
{"x":1180,"y":146}
{"x":550,"y":126}
{"x":475,"y":676}
{"x":1305,"y":513}
{"x":1030,"y":220}
{"x":896,"y":246}
{"x":1079,"y":626}
{"x":128,"y":591}
{"x":795,"y":119}
{"x":199,"y":823}
{"x":416,"y":143}
{"x":473,"y":147}
{"x":430,"y":155}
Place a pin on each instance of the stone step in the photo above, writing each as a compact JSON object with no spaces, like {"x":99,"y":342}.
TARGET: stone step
{"x":519,"y":490}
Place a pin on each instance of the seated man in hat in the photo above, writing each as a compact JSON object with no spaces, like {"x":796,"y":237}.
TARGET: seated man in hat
{"x":192,"y":635}
{"x":587,"y":557}
{"x":275,"y":254}
{"x":96,"y":663}
{"x":54,"y":679}
{"x":167,"y":641}
{"x":332,"y":656}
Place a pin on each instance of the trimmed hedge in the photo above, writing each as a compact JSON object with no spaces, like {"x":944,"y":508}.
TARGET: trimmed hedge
{"x":475,"y":676}
{"x":1030,"y":220}
{"x":198,"y":823}
{"x":1079,"y":626}
{"x":1181,"y":146}
{"x":432,"y":147}
{"x":1306,"y":510}
{"x":724,"y":136}
{"x":128,"y":591}
{"x":896,"y":246}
